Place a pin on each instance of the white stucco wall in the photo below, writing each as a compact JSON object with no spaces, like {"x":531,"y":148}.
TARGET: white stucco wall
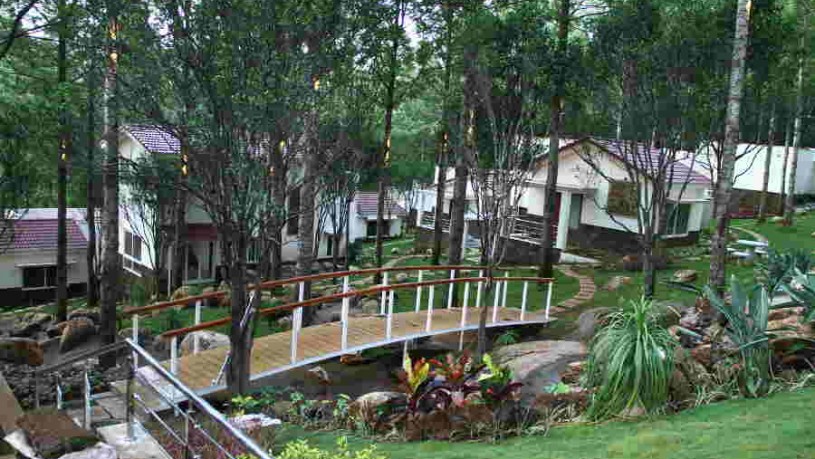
{"x":12,"y":261}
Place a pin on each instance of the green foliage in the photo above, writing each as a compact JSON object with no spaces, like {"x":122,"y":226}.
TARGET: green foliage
{"x":630,"y":362}
{"x":496,"y":383}
{"x":242,"y":404}
{"x":801,"y":288}
{"x":507,"y":338}
{"x":300,"y":449}
{"x":746,"y":316}
{"x":779,"y":267}
{"x":559,"y":388}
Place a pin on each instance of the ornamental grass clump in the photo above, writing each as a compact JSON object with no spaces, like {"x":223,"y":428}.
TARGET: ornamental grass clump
{"x":630,"y":363}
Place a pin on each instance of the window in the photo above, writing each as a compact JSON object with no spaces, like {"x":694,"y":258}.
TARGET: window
{"x":192,"y":264}
{"x":370,"y":230}
{"x":522,"y":211}
{"x":253,"y":252}
{"x":622,"y":199}
{"x":133,"y":245}
{"x":678,"y":216}
{"x":39,"y":277}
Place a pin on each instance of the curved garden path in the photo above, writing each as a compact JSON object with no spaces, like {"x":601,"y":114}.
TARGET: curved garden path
{"x":586,"y":292}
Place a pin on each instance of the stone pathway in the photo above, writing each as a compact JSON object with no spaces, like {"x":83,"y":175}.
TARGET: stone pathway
{"x":759,"y":237}
{"x":586,"y":292}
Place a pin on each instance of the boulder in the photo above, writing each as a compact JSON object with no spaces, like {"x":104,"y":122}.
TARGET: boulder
{"x":206,"y":340}
{"x":616,"y":282}
{"x":251,"y":422}
{"x":284,"y":323}
{"x":401,"y":278}
{"x":30,"y":324}
{"x":144,"y":334}
{"x":56,"y":329}
{"x":813,"y":234}
{"x":631,"y":262}
{"x":694,"y":372}
{"x":395,"y":251}
{"x":21,"y":351}
{"x":571,"y":375}
{"x":777,"y":219}
{"x":685,"y":275}
{"x":589,"y":321}
{"x":784,"y":313}
{"x":538,"y":364}
{"x":369,"y":408}
{"x":281,"y":408}
{"x":100,"y":451}
{"x":679,"y":388}
{"x":319,"y":374}
{"x":92,"y":315}
{"x":370,"y":306}
{"x":428,"y":252}
{"x":181,"y":292}
{"x":703,"y":354}
{"x":76,"y":332}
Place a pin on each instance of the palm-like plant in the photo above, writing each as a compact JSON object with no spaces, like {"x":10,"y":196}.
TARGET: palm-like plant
{"x":747,"y":316}
{"x":779,"y":267}
{"x":630,"y":362}
{"x":801,"y":289}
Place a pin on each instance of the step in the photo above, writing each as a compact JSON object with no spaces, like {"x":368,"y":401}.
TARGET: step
{"x":142,"y":446}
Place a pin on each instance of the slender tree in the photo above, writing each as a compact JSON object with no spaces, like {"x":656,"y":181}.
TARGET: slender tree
{"x":725,"y":173}
{"x":63,"y":152}
{"x":768,"y":158}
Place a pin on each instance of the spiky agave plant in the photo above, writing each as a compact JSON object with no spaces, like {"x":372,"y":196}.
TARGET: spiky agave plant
{"x":801,"y":288}
{"x":630,"y":362}
{"x":747,"y":316}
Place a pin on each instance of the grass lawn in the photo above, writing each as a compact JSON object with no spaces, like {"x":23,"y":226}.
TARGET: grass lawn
{"x":778,"y":427}
{"x":797,"y":236}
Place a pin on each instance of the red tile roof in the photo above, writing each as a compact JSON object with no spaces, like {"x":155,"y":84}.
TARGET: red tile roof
{"x":42,"y":234}
{"x":367,"y":205}
{"x":201,"y":232}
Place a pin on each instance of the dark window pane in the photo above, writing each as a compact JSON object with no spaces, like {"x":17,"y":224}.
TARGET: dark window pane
{"x":33,"y":277}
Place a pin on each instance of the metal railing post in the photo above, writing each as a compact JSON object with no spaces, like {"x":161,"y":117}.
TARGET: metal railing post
{"x":506,"y":286}
{"x":344,"y":315}
{"x":187,"y":450}
{"x":450,"y":289}
{"x":419,"y":293}
{"x":429,"y":321}
{"x":174,"y":370}
{"x":464,"y":315}
{"x":135,"y":335}
{"x":59,"y":392}
{"x":383,"y":296}
{"x":389,"y":320}
{"x":548,"y":301}
{"x":480,"y":287}
{"x":131,"y":373}
{"x":87,"y":403}
{"x":36,"y":389}
{"x":523,"y":299}
{"x":297,"y":322}
{"x":195,"y":337}
{"x":496,"y":297}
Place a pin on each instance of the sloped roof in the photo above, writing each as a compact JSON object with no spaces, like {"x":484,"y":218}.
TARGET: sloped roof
{"x":30,"y":234}
{"x":155,"y":139}
{"x":648,"y":160}
{"x":367,"y":205}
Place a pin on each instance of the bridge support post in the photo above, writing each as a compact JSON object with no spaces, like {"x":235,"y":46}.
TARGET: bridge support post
{"x":429,"y":322}
{"x":384,"y":296}
{"x":389,"y":320}
{"x":496,"y":297}
{"x":504,"y":292}
{"x":450,"y":289}
{"x":196,"y":346}
{"x":419,"y":293}
{"x":174,"y":372}
{"x":297,"y":323}
{"x":344,"y":316}
{"x":480,"y":287}
{"x":523,"y":299}
{"x":548,"y":301}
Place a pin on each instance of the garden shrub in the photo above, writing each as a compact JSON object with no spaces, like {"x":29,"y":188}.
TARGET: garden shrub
{"x":300,"y":449}
{"x":630,"y":362}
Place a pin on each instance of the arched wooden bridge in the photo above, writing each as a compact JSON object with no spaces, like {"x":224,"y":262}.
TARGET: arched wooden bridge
{"x":300,"y":346}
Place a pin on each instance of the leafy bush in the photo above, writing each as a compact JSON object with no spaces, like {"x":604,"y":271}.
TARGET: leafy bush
{"x":354,"y":252}
{"x":747,"y":317}
{"x":496,"y":384}
{"x":507,"y":338}
{"x":300,"y":449}
{"x":630,"y":362}
{"x":779,"y":267}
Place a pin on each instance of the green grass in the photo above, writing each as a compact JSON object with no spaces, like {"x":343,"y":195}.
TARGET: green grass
{"x":778,"y":427}
{"x":799,"y":235}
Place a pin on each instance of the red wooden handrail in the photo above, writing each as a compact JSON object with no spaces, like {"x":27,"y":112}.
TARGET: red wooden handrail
{"x":352,"y":293}
{"x":268,"y":285}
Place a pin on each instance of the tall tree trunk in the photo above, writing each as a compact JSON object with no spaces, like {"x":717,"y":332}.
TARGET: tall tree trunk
{"x":762,"y":205}
{"x":179,"y":246}
{"x":444,"y":138}
{"x":789,"y":203}
{"x":783,"y":191}
{"x":63,"y":150}
{"x":648,"y":265}
{"x":547,"y":252}
{"x":240,"y":352}
{"x":279,"y":197}
{"x":731,"y":139}
{"x":390,"y":106}
{"x":457,"y":210}
{"x":90,"y":212}
{"x":111,"y":263}
{"x":307,"y":197}
{"x":438,"y":213}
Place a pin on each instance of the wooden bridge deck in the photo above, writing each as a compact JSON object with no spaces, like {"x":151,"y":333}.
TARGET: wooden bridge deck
{"x":272,"y":354}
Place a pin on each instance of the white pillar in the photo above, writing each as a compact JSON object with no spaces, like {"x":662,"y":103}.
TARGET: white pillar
{"x":563,"y":220}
